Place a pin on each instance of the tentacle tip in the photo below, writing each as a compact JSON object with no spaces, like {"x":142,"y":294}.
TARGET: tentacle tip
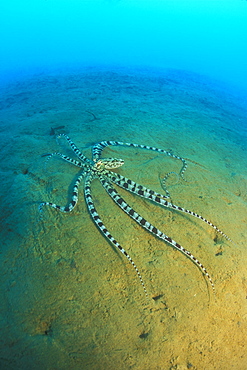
{"x":40,"y":207}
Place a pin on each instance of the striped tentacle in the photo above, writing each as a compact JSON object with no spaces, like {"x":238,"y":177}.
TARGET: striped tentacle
{"x":74,"y":199}
{"x":171,"y":205}
{"x":163,"y":182}
{"x":148,"y":226}
{"x":97,"y":149}
{"x":76,"y":150}
{"x":144,"y":192}
{"x":132,"y":186}
{"x":67,"y":159}
{"x":95,"y":216}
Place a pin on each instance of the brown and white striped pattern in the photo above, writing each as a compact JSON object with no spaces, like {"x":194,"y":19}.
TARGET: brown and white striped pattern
{"x":148,"y":226}
{"x":100,"y":168}
{"x":97,"y":149}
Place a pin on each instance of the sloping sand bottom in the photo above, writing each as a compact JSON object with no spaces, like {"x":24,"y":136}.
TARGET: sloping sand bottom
{"x":69,"y":300}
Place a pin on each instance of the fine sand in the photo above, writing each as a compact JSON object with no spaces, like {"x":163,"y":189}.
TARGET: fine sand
{"x":69,"y":300}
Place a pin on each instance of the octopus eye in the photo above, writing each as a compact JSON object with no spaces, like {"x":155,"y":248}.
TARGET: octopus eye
{"x":98,"y":165}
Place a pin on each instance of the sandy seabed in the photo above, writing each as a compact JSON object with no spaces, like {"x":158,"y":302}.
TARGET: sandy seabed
{"x":69,"y":300}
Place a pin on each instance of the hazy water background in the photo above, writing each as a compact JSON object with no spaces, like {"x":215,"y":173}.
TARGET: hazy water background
{"x":206,"y":36}
{"x":170,"y":74}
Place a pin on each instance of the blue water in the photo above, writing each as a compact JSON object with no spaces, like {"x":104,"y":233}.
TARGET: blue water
{"x":166,"y":74}
{"x":206,"y":36}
